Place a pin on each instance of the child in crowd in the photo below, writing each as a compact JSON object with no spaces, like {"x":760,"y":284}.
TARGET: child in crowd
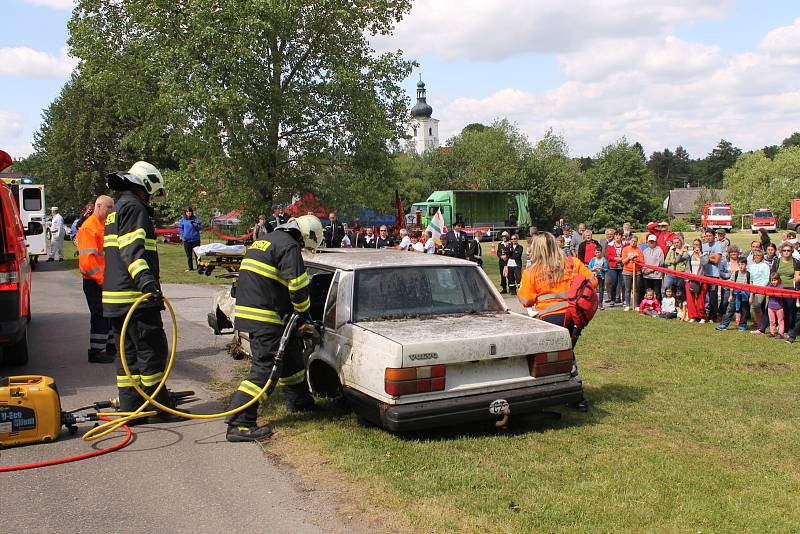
{"x":669,"y":309}
{"x":680,"y":306}
{"x":599,"y":266}
{"x":649,"y":305}
{"x":775,"y":308}
{"x":738,"y":301}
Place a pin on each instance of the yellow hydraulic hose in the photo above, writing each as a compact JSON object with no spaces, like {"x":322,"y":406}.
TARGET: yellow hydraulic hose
{"x":149,"y":400}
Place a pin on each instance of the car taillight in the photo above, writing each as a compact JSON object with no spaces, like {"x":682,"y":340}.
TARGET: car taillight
{"x":550,"y":363}
{"x":410,"y":380}
{"x":9,"y":276}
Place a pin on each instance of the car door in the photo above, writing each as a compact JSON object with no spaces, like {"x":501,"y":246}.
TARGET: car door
{"x":336,"y":344}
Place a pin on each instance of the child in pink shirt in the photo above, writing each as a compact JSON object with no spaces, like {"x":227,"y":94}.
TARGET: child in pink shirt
{"x":650,"y":305}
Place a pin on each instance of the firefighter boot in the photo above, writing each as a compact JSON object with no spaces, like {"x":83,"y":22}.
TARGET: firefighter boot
{"x":299,"y":399}
{"x":239,"y":434}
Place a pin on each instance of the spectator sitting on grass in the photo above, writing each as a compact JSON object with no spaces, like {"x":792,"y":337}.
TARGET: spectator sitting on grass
{"x":668,"y":309}
{"x":680,"y":305}
{"x":649,"y":305}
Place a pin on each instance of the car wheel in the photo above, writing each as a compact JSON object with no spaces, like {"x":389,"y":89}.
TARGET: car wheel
{"x":17,"y":354}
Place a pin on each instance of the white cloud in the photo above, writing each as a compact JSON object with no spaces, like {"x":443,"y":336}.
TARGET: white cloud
{"x":53,"y":4}
{"x":498,"y":29}
{"x":785,"y":40}
{"x":29,"y":63}
{"x":12,"y":134}
{"x":642,"y":89}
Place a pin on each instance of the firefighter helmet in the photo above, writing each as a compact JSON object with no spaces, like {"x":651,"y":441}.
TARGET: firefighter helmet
{"x":311,"y":230}
{"x":142,"y":174}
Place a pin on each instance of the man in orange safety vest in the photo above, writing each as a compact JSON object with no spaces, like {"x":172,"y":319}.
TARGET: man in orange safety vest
{"x":92,"y":265}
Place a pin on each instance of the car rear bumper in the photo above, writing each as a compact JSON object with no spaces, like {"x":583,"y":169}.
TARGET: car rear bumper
{"x":462,"y":410}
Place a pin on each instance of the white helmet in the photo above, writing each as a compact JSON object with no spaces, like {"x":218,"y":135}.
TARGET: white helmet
{"x":311,"y":230}
{"x":141,"y":173}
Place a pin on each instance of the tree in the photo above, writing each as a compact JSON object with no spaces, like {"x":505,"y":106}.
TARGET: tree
{"x":792,"y":140}
{"x":555,"y":183}
{"x":81,"y":139}
{"x":721,"y":158}
{"x":621,"y":185}
{"x":275,"y":95}
{"x":756,"y":181}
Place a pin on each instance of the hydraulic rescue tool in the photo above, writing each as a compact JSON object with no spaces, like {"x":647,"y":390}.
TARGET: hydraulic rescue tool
{"x":30,"y":408}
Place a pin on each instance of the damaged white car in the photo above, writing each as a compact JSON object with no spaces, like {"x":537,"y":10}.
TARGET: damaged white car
{"x":416,"y":341}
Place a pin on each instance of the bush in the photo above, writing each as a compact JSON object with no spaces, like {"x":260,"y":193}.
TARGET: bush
{"x":680,"y":225}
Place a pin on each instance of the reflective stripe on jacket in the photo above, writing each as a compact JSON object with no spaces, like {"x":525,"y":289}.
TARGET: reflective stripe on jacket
{"x":91,"y":261}
{"x":131,"y":256}
{"x":272,"y":283}
{"x":535,"y":290}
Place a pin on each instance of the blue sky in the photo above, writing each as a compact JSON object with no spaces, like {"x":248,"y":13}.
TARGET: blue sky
{"x":663,"y":73}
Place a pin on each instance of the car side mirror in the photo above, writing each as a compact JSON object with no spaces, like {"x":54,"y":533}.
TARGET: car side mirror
{"x":34,"y":228}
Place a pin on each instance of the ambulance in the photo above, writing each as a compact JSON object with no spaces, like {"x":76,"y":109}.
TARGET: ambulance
{"x":29,"y":200}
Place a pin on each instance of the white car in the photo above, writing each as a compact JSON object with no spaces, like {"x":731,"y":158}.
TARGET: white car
{"x":417,"y":341}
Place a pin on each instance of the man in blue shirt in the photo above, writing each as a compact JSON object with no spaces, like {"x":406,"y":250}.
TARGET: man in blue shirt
{"x":714,"y":270}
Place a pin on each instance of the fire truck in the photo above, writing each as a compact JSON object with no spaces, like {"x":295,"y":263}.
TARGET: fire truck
{"x":717,"y":215}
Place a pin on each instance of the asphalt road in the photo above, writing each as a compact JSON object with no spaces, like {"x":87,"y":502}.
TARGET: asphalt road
{"x":180,"y":477}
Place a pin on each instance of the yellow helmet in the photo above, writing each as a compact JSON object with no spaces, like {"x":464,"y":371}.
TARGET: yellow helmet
{"x":311,"y":230}
{"x":141,"y":173}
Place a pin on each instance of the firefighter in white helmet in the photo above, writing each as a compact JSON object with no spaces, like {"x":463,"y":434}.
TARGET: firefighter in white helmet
{"x":131,"y":270}
{"x":273,"y":284}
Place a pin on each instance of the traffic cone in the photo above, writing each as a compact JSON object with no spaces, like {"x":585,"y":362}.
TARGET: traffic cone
{"x":494,"y":250}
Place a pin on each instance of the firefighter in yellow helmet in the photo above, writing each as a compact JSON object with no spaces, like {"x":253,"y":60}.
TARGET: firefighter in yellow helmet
{"x":131,"y":270}
{"x":272,"y":284}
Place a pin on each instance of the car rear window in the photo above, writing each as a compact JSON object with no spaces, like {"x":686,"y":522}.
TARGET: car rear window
{"x":421,"y":291}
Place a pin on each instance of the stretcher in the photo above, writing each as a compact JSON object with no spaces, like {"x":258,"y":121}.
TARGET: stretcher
{"x":216,"y":255}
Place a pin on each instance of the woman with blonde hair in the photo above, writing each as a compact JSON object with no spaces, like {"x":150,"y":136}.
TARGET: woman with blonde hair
{"x":546,"y":283}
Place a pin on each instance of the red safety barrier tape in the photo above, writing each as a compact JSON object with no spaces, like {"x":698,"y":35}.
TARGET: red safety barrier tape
{"x":760,"y":290}
{"x":232,"y":238}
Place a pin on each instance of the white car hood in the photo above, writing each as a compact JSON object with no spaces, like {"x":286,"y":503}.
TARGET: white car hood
{"x":466,"y":338}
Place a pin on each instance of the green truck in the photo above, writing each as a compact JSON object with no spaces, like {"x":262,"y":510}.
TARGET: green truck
{"x":492,"y":211}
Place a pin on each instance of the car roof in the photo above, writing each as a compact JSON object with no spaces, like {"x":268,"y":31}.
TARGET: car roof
{"x":349,"y":259}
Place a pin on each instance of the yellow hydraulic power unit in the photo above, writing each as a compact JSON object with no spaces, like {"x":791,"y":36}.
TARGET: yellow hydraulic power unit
{"x":30,"y":410}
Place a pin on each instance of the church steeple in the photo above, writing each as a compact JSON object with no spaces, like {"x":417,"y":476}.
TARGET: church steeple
{"x":421,"y":108}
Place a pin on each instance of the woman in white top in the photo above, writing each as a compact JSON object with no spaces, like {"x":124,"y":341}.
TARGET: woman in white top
{"x":430,"y":244}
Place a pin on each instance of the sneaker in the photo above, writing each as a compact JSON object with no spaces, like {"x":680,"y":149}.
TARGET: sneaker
{"x":790,"y":339}
{"x":636,"y":308}
{"x":757,"y":332}
{"x":601,"y":308}
{"x":241,"y":434}
{"x":626,"y":308}
{"x":611,"y":304}
{"x":101,"y":357}
{"x":50,"y":259}
{"x":742,"y":328}
{"x":692,"y":321}
{"x":701,"y":321}
{"x":720,"y":327}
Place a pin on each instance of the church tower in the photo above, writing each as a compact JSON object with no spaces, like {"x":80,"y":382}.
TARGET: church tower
{"x":423,"y":129}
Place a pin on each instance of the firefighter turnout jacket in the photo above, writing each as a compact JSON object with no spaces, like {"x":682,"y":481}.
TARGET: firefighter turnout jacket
{"x":272,"y":283}
{"x":131,"y":257}
{"x":91,"y":261}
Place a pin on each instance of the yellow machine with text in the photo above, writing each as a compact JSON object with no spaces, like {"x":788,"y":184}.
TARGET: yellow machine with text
{"x":30,"y":410}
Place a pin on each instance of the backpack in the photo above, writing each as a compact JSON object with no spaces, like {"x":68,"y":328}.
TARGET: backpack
{"x":582,"y":299}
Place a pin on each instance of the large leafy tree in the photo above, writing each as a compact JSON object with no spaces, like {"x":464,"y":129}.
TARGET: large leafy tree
{"x":722,"y":157}
{"x":622,"y":185}
{"x":276,"y":94}
{"x":756,"y":181}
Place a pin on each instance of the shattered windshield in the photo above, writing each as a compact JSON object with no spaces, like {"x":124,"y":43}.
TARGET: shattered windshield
{"x":421,"y":291}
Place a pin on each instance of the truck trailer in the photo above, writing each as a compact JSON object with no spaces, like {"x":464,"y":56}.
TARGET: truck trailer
{"x":490,"y":211}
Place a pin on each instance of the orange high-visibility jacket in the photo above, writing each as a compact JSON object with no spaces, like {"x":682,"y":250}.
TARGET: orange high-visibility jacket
{"x":91,"y":261}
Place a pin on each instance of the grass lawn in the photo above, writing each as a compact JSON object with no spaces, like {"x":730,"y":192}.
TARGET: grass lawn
{"x":679,"y":438}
